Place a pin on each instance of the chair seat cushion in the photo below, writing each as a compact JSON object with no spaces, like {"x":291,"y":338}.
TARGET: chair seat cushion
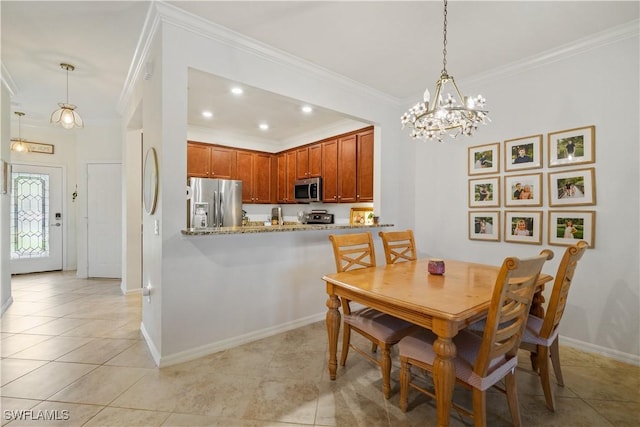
{"x":419,"y":346}
{"x":384,"y":327}
{"x":532,"y":332}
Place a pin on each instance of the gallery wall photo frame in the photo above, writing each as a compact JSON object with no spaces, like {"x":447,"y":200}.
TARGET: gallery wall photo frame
{"x":484,"y":225}
{"x":576,"y":187}
{"x":523,"y":190}
{"x":484,"y":192}
{"x":523,"y":227}
{"x":484,"y":159}
{"x":523,"y":153}
{"x":572,"y":146}
{"x":567,"y":227}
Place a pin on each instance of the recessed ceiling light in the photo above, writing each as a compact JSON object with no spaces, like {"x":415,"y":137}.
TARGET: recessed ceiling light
{"x":207,"y":114}
{"x":263,"y":126}
{"x":307,"y":109}
{"x":237,"y":91}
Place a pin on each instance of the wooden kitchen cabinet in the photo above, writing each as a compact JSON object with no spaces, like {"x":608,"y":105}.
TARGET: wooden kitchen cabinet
{"x":364,"y":173}
{"x":255,"y":171}
{"x":309,"y":161}
{"x":347,"y":168}
{"x":286,"y":169}
{"x":209,"y":161}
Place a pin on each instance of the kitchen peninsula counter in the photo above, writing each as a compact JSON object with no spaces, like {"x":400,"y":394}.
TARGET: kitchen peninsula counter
{"x":254,"y":229}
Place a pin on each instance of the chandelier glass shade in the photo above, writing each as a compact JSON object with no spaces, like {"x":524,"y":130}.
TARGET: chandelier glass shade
{"x":18,"y":144}
{"x":453,"y":114}
{"x":67,"y":116}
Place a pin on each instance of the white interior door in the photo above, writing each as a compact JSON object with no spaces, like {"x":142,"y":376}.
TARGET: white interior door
{"x":104,"y":219}
{"x":36,"y":218}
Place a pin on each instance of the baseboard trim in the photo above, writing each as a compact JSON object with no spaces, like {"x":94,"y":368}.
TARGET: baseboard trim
{"x":152,"y":348}
{"x":620,"y":356}
{"x":205,"y":350}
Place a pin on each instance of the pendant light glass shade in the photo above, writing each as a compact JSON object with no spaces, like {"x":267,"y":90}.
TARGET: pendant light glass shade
{"x":19,"y":144}
{"x":67,"y":116}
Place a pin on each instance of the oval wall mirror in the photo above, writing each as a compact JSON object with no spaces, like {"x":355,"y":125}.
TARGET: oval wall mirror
{"x":150,"y":177}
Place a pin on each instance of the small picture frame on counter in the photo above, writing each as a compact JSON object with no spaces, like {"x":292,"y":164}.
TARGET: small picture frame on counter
{"x":361,"y":216}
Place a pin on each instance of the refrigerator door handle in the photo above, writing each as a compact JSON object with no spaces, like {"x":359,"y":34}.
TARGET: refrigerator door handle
{"x":221,"y":211}
{"x":215,"y":209}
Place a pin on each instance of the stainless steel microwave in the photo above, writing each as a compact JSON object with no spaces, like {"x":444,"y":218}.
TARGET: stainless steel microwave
{"x":308,"y":190}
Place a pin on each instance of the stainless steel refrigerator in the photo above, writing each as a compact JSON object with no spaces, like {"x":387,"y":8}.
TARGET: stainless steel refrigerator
{"x":214,"y":203}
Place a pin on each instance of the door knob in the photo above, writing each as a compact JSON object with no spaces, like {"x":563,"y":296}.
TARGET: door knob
{"x":57,"y":224}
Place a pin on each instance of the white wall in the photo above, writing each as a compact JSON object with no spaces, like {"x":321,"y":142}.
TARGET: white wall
{"x":5,"y":149}
{"x":592,"y":87}
{"x":214,"y":292}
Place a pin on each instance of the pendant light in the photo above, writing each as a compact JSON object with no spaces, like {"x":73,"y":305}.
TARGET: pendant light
{"x":66,"y":116}
{"x":455,"y":115}
{"x":19,"y":144}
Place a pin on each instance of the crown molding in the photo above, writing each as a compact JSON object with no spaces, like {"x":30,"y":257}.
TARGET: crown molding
{"x":161,"y":12}
{"x":138,"y":63}
{"x":604,"y":38}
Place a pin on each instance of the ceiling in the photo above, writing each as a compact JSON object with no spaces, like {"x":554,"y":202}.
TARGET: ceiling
{"x":393,"y":47}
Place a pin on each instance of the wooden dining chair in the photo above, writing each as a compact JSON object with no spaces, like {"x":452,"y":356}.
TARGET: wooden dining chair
{"x":482,"y":361}
{"x":352,"y":251}
{"x":398,"y":246}
{"x":541,"y":335}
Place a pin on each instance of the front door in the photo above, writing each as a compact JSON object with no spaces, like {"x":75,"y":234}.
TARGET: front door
{"x":36,"y":218}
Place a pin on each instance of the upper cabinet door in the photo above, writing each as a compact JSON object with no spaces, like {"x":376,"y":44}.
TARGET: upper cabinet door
{"x":330,"y":171}
{"x":315,"y":160}
{"x":347,"y":169}
{"x":222,"y":160}
{"x":198,"y":161}
{"x":365,"y":167}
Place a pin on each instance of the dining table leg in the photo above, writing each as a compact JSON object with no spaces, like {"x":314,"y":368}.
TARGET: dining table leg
{"x":333,"y":329}
{"x":444,"y":374}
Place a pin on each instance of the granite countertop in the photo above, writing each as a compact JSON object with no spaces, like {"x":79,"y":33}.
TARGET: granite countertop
{"x":293,"y":226}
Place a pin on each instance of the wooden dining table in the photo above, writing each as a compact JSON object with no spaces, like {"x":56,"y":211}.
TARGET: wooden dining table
{"x":445,"y":304}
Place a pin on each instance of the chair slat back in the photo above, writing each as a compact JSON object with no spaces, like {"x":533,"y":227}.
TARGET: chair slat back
{"x":510,"y":302}
{"x":561,"y":285}
{"x":353,"y":251}
{"x":398,"y":246}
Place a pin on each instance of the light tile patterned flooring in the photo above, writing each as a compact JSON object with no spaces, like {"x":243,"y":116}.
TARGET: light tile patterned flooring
{"x":71,"y":349}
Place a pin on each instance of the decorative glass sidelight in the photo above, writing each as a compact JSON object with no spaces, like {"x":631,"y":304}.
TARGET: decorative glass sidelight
{"x":29,"y":215}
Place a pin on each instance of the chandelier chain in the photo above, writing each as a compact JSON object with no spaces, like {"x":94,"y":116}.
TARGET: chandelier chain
{"x":444,"y":43}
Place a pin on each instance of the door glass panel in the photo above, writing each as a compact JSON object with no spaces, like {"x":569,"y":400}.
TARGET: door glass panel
{"x":29,"y":215}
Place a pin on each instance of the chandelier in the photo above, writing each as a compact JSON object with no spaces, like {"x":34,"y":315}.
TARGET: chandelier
{"x":19,"y":144}
{"x":455,"y":114}
{"x":66,"y":116}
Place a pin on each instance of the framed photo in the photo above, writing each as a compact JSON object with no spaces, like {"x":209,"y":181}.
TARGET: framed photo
{"x":523,"y":190}
{"x":572,"y":188}
{"x":484,"y":159}
{"x":523,"y":153}
{"x":567,"y":227}
{"x":484,"y":192}
{"x":523,"y":227}
{"x":484,"y":225}
{"x":361,"y":216}
{"x":572,"y":147}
